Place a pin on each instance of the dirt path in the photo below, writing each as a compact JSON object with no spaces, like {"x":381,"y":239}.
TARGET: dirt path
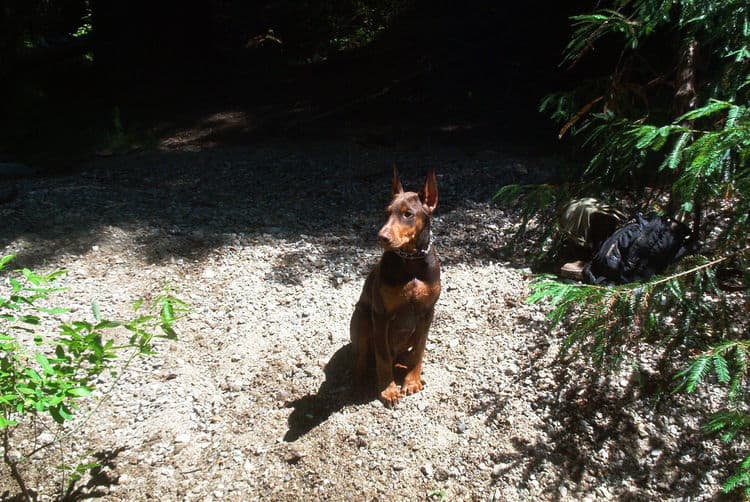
{"x":270,"y":246}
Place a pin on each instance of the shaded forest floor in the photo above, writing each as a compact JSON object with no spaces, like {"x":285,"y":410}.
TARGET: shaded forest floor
{"x":270,"y":245}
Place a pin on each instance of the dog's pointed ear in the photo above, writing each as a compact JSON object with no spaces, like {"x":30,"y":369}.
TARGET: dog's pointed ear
{"x":429,"y":193}
{"x":396,"y":183}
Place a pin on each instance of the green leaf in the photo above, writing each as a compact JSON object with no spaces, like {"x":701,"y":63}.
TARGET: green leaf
{"x":646,"y":135}
{"x":704,"y":111}
{"x":82,"y":326}
{"x":31,"y":277}
{"x":79,"y":392}
{"x":54,"y":275}
{"x":739,"y":479}
{"x":6,"y":423}
{"x":169,"y":332}
{"x":721,"y":368}
{"x":167,"y":314}
{"x":5,"y":260}
{"x":95,"y":310}
{"x":33,"y":375}
{"x":694,"y":373}
{"x":15,"y":284}
{"x":25,"y":389}
{"x":60,"y":413}
{"x":29,"y":319}
{"x":44,"y":363}
{"x":673,"y":160}
{"x":8,"y":398}
{"x":54,"y":310}
{"x":108,"y":325}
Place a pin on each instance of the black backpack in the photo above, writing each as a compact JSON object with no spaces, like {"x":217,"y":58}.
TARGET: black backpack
{"x":638,"y":250}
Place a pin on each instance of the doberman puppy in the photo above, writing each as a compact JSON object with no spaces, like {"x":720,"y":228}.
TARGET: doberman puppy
{"x":395,"y":310}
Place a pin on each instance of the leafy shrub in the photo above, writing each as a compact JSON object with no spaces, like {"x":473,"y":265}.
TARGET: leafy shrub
{"x":47,"y":376}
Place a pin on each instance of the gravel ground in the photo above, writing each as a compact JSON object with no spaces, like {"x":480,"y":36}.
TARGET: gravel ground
{"x":270,"y":246}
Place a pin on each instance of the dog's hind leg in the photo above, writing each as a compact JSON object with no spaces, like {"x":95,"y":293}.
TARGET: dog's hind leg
{"x":360,"y":332}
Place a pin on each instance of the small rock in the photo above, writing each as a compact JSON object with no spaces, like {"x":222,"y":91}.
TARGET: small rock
{"x":182,"y":438}
{"x":283,"y":396}
{"x":398,"y":467}
{"x":441,"y":474}
{"x":361,"y":430}
{"x":427,"y":470}
{"x":46,"y":437}
{"x":604,"y":492}
{"x":498,"y":469}
{"x":293,"y":456}
{"x":512,"y":369}
{"x":461,"y":426}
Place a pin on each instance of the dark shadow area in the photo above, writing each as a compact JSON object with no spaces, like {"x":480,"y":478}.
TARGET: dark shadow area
{"x":335,"y":393}
{"x":6,"y":496}
{"x":320,"y":203}
{"x":598,"y":428}
{"x":458,"y":72}
{"x":218,"y":143}
{"x":100,"y":477}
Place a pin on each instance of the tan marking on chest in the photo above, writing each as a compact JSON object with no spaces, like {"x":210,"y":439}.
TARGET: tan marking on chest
{"x":414,"y":291}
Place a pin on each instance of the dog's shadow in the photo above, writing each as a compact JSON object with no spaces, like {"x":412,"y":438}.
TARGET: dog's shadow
{"x":337,"y":391}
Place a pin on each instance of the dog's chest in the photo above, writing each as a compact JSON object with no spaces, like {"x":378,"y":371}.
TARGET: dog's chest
{"x":417,"y":294}
{"x":416,"y":291}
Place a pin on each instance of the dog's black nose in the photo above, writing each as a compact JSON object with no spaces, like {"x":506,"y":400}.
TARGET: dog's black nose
{"x":384,"y":239}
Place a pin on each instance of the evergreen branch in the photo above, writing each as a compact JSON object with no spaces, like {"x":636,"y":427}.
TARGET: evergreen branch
{"x":698,"y":268}
{"x":580,"y":113}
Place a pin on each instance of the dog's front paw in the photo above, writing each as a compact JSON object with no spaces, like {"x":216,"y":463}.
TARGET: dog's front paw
{"x":390,"y":395}
{"x":411,"y":386}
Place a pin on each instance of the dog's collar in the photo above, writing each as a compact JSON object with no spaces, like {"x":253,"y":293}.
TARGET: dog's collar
{"x":418,"y":254}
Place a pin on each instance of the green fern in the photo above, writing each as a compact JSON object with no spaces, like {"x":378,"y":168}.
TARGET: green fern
{"x":692,"y":375}
{"x":628,"y":123}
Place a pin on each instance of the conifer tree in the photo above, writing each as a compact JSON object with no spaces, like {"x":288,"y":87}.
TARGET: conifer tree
{"x":666,"y":122}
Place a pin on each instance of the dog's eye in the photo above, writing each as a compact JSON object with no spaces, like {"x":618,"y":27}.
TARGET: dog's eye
{"x":408,"y":214}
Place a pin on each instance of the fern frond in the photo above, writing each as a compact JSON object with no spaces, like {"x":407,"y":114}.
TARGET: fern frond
{"x":673,"y":159}
{"x":713,"y":106}
{"x":738,"y":479}
{"x":721,"y":368}
{"x":694,"y":373}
